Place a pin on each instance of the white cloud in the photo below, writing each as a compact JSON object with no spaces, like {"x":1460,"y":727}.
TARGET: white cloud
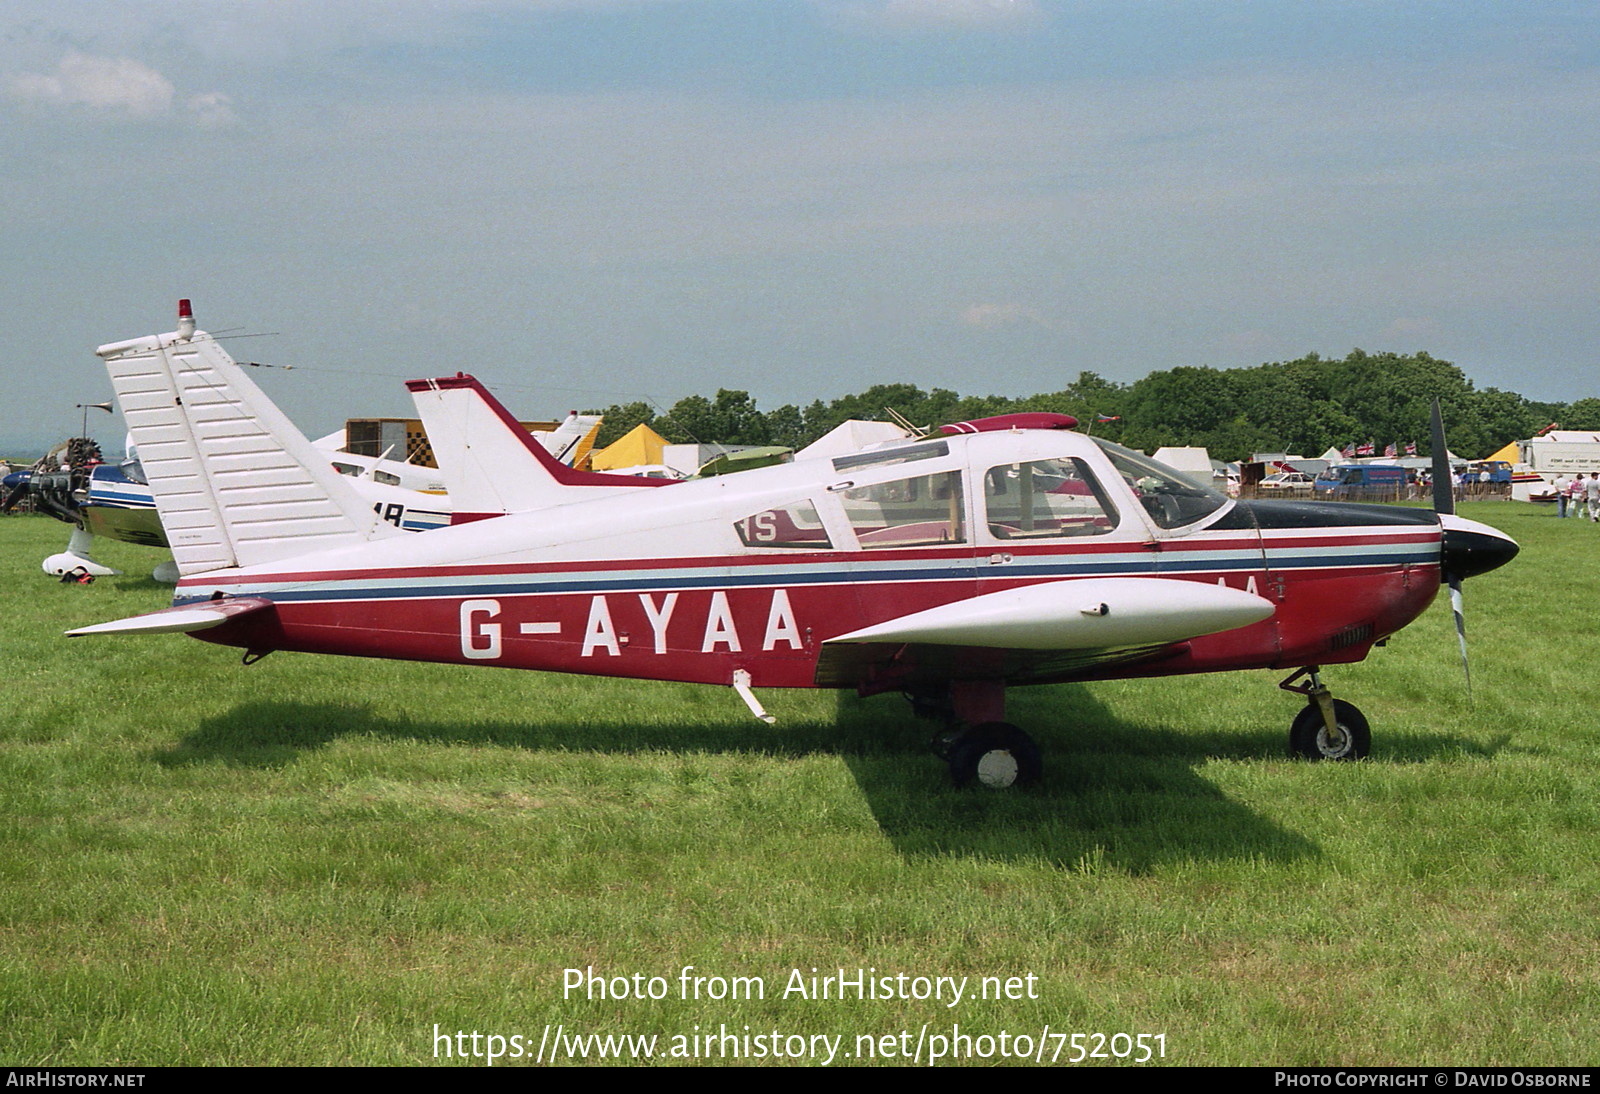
{"x":114,"y":84}
{"x":118,"y":86}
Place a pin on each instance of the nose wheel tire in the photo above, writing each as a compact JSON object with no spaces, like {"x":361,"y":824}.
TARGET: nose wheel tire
{"x":996,"y":755}
{"x":1308,"y":736}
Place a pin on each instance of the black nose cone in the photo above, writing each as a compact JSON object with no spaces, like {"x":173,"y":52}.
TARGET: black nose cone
{"x":1471,"y":548}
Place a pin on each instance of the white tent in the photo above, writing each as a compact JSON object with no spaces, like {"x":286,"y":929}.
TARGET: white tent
{"x":851,"y":436}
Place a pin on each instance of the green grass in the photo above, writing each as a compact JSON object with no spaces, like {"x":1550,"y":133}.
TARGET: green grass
{"x":316,"y":860}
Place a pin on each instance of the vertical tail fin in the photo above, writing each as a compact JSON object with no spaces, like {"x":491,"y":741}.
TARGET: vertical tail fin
{"x":235,"y":482}
{"x":492,"y":465}
{"x":573,"y":439}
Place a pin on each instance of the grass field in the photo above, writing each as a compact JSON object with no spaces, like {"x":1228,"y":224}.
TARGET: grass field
{"x":319,"y":860}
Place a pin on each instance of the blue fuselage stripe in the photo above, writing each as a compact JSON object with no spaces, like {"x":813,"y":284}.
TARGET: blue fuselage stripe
{"x":828,"y":573}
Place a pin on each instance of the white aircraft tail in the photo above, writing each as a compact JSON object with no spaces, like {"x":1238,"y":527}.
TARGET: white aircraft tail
{"x":235,"y":482}
{"x":492,"y":466}
{"x":566,"y":441}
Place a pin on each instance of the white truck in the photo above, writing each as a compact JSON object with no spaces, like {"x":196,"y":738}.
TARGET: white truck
{"x":1545,"y":459}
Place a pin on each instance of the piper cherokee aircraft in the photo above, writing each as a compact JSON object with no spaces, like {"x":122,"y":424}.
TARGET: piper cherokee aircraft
{"x":996,"y":553}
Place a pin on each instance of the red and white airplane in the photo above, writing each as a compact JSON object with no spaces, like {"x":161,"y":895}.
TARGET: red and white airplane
{"x":997,"y":553}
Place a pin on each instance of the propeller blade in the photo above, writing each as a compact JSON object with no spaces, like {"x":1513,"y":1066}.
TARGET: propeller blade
{"x":1444,"y":503}
{"x":1459,"y":610}
{"x":1467,"y":548}
{"x":1444,"y":486}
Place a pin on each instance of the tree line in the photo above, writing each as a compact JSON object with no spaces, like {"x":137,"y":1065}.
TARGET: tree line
{"x":1302,"y":407}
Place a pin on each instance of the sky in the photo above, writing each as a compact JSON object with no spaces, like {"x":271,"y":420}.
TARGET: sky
{"x":586,"y":202}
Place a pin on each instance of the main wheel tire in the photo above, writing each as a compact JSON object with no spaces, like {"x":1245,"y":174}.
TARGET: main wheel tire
{"x":995,"y":755}
{"x":1308,"y":736}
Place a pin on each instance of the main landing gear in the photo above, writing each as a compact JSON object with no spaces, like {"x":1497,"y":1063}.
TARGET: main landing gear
{"x":992,"y":754}
{"x":981,"y":749}
{"x":1328,"y":728}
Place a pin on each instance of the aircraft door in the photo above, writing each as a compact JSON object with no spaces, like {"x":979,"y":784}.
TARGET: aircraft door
{"x":1051,"y":518}
{"x":916,"y":543}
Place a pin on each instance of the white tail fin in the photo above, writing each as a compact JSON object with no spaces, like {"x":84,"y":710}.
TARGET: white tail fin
{"x":570,"y":441}
{"x":492,"y":466}
{"x":235,"y":482}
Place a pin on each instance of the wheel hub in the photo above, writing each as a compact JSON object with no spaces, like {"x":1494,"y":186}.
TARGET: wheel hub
{"x":998,"y":768}
{"x":1331,"y":751}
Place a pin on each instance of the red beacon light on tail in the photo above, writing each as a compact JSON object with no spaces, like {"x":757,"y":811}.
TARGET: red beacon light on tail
{"x":1003,"y":422}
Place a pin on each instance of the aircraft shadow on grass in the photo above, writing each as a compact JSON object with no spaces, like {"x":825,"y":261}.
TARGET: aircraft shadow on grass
{"x":1116,"y":796}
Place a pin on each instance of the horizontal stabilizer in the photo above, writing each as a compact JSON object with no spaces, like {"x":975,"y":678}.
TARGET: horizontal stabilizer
{"x":1092,"y":613}
{"x":180,"y":620}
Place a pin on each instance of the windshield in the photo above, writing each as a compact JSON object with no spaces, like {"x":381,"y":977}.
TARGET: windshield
{"x":1170,"y":497}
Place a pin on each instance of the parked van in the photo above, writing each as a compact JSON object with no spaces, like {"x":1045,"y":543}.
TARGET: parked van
{"x":1359,"y":479}
{"x":1498,"y":470}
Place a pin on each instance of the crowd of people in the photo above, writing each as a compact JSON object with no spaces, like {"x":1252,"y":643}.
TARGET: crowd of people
{"x":1574,"y":493}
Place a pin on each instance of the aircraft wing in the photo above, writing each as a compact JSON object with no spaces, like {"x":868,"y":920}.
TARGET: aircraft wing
{"x":179,"y":620}
{"x":1092,"y":613}
{"x":1043,"y":631}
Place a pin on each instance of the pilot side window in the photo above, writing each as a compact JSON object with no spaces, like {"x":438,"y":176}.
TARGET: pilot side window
{"x":794,"y":526}
{"x":907,"y":512}
{"x":1046,"y":499}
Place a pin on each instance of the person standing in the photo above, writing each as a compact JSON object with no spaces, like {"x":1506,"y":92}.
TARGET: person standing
{"x":1563,"y":488}
{"x":1591,"y":494}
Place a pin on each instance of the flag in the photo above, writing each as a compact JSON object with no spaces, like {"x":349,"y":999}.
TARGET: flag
{"x":1347,"y":451}
{"x":1411,"y":448}
{"x":1391,"y":451}
{"x":1365,"y":448}
{"x":1548,"y":428}
{"x":1108,"y":417}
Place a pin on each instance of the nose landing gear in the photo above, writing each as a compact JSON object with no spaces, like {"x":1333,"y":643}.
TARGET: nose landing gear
{"x":1328,"y":728}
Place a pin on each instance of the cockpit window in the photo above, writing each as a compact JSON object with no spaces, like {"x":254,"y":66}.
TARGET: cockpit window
{"x":1046,"y":499}
{"x":908,"y":512}
{"x":1172,"y":499}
